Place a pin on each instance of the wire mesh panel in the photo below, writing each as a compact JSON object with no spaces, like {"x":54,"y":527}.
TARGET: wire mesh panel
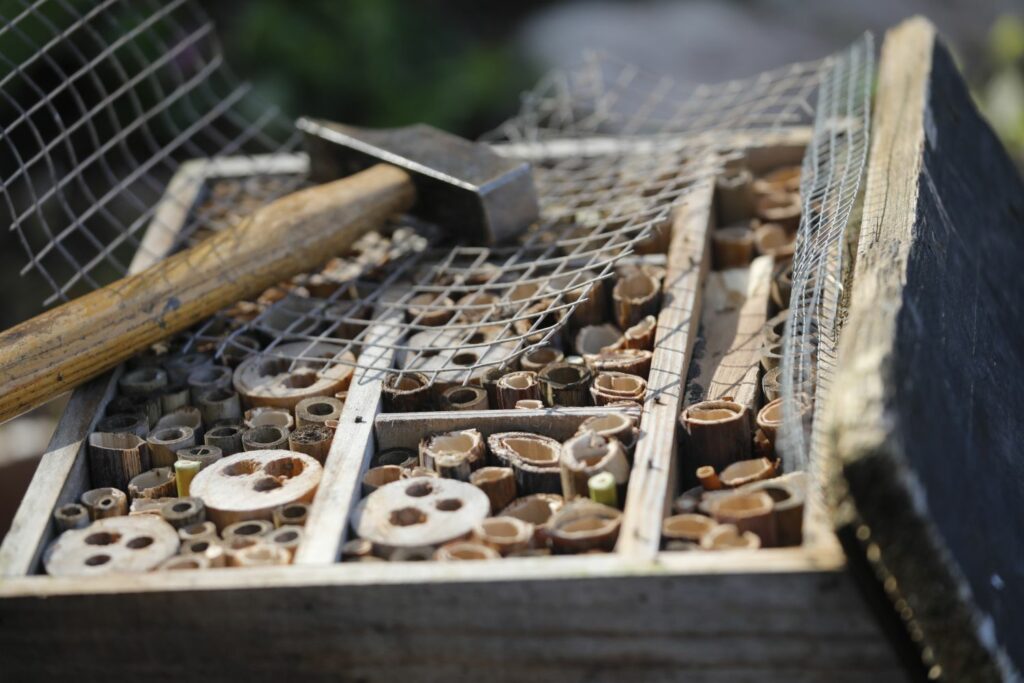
{"x":100,"y":103}
{"x":614,"y":151}
{"x":831,"y":178}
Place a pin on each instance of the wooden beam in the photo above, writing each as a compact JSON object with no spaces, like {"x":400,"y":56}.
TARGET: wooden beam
{"x":924,"y":419}
{"x":653,"y":478}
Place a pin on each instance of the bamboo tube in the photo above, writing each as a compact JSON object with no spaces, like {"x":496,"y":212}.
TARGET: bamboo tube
{"x":173,"y":397}
{"x":775,"y":327}
{"x":686,"y":527}
{"x":716,"y":433}
{"x":537,"y":509}
{"x":403,"y":457}
{"x":771,"y":356}
{"x":142,"y":381}
{"x":294,"y":514}
{"x":148,"y":406}
{"x":609,"y":387}
{"x":564,"y":384}
{"x":183,"y":512}
{"x":728,"y":537}
{"x":772,"y":239}
{"x":602,"y":488}
{"x":504,"y":534}
{"x":639,"y":336}
{"x":186,"y":562}
{"x":538,"y":358}
{"x":313,"y":440}
{"x":734,"y":195}
{"x":781,"y":179}
{"x":430,"y":310}
{"x":147,"y":506}
{"x":187,"y":416}
{"x":489,"y":381}
{"x":264,"y":438}
{"x":515,"y":387}
{"x":782,"y":208}
{"x":124,"y":423}
{"x":771,"y":385}
{"x":618,"y":425}
{"x":747,"y":472}
{"x":529,"y":404}
{"x":788,"y":498}
{"x":158,"y":482}
{"x":587,"y":454}
{"x":105,"y":502}
{"x":453,"y":455}
{"x":539,"y":317}
{"x":782,"y":283}
{"x":499,"y":483}
{"x":71,"y":516}
{"x":465,"y":550}
{"x":419,"y":471}
{"x":748,"y":512}
{"x":708,"y":478}
{"x":262,"y":555}
{"x":635,"y":297}
{"x":464,"y":398}
{"x":184,"y":472}
{"x":583,"y":525}
{"x":630,"y":361}
{"x":210,"y":549}
{"x":204,"y":455}
{"x":199,"y":530}
{"x":592,"y":339}
{"x":205,"y":379}
{"x":317,"y":410}
{"x":249,"y":528}
{"x":376,"y":477}
{"x":219,"y":405}
{"x":356,"y":548}
{"x":287,"y":537}
{"x":236,"y":544}
{"x":591,"y":302}
{"x":266,"y":415}
{"x":732,"y":247}
{"x":534,"y":460}
{"x":115,"y":458}
{"x":166,"y":442}
{"x":406,"y":392}
{"x":179,"y":367}
{"x":228,"y":438}
{"x":242,"y":346}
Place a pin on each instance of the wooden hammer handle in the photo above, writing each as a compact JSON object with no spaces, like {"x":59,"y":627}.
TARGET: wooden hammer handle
{"x":68,"y":345}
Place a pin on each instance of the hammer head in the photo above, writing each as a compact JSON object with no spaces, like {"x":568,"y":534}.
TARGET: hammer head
{"x":464,"y":187}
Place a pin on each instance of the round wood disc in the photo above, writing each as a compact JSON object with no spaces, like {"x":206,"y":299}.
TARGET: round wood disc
{"x":112,"y":544}
{"x":266,"y":380}
{"x":420,"y":511}
{"x":250,"y":485}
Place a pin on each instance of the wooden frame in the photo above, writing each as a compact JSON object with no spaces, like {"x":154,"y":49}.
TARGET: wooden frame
{"x":771,"y":614}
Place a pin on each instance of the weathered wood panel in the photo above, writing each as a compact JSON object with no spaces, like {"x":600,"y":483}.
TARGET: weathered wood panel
{"x":926,"y":416}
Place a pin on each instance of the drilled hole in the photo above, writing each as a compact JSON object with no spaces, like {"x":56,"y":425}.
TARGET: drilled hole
{"x":102,"y":538}
{"x":284,"y":467}
{"x":407,"y":517}
{"x":105,"y":502}
{"x":181,"y":507}
{"x":199,"y":546}
{"x":97,"y":560}
{"x":140,"y":542}
{"x":300,"y":380}
{"x":419,"y":489}
{"x":320,"y":409}
{"x":448,"y":504}
{"x":240,"y":468}
{"x":266,"y":484}
{"x":465,"y":359}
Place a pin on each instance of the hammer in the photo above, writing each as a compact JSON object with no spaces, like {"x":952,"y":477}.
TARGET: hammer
{"x":465,"y":187}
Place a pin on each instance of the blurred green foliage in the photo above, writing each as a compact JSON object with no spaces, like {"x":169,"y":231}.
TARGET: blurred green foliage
{"x":382,"y":62}
{"x":1002,"y":93}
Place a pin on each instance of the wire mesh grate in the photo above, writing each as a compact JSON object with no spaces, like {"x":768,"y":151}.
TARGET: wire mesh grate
{"x":832,"y":174}
{"x":101,"y":101}
{"x":614,"y":150}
